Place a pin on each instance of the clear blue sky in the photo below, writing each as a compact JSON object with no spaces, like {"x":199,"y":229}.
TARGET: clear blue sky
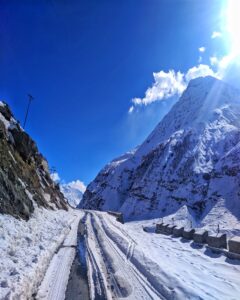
{"x":84,"y":61}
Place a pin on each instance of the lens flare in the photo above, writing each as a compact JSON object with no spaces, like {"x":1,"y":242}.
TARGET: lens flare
{"x":233,"y":25}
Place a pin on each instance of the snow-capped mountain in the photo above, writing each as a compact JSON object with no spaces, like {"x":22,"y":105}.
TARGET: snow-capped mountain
{"x":73,"y":192}
{"x":189,"y":164}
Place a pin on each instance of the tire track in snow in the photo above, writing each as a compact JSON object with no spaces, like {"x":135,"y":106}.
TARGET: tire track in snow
{"x":141,"y":287}
{"x":98,"y":284}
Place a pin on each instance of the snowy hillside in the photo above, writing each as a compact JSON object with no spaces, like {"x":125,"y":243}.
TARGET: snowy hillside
{"x":189,"y":165}
{"x":73,"y":192}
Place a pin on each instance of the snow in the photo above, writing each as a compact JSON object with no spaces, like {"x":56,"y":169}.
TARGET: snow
{"x":190,"y":162}
{"x":5,"y":122}
{"x":144,"y":265}
{"x":56,"y":278}
{"x":73,"y":192}
{"x":26,"y":248}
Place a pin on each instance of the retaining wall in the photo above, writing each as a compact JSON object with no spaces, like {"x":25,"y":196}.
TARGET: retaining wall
{"x":217,"y":241}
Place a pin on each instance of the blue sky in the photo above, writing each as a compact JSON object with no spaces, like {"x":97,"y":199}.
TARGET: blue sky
{"x":84,"y":62}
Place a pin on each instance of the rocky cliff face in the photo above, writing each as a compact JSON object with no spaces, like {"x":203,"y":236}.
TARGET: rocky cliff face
{"x":24,"y":176}
{"x":191,"y":159}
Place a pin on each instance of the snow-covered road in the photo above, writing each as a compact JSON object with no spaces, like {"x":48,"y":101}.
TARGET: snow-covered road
{"x":54,"y":284}
{"x":126,"y":262}
{"x":120,"y":276}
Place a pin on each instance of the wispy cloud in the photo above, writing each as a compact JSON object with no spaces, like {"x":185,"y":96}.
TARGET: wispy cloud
{"x":202,"y":49}
{"x":216,"y":34}
{"x":213,"y":60}
{"x":131,"y":109}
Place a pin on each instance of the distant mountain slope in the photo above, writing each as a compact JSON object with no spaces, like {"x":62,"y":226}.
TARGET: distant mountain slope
{"x":73,"y":192}
{"x":190,"y":162}
{"x":24,"y":176}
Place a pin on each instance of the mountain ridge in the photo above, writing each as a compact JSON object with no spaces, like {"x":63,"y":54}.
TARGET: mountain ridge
{"x":181,"y":163}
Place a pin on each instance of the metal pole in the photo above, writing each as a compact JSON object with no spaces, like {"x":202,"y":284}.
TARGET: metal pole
{"x":29,"y":102}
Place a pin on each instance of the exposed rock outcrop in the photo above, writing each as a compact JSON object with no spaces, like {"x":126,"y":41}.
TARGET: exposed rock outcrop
{"x":24,"y":176}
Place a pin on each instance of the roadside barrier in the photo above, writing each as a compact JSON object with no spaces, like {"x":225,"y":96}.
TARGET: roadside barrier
{"x":218,"y":243}
{"x":118,"y":215}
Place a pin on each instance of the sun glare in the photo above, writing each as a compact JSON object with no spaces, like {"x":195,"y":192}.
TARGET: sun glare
{"x":233,"y":25}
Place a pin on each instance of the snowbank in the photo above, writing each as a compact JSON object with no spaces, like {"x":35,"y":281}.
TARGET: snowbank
{"x":26,"y":248}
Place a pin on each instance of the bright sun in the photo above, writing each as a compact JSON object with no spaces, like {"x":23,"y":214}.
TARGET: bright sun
{"x":233,"y":25}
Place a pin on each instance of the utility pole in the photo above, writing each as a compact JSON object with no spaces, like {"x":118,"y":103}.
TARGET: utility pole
{"x":30,"y":99}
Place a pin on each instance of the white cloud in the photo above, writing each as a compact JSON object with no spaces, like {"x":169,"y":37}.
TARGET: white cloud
{"x":199,"y":71}
{"x":169,"y":84}
{"x":55,"y":177}
{"x":202,"y":49}
{"x":173,"y":83}
{"x":77,"y":184}
{"x":216,"y":34}
{"x":166,"y":84}
{"x":213,"y":60}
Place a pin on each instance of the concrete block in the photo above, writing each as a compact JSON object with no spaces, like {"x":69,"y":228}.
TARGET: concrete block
{"x":178,"y":231}
{"x":200,"y":236}
{"x":234,"y":244}
{"x":162,"y":228}
{"x":169,"y":229}
{"x":217,"y":241}
{"x":159,"y":228}
{"x":188,"y":234}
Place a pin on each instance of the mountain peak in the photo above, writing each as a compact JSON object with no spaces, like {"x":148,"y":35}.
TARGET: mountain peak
{"x":182,"y":162}
{"x":203,"y":80}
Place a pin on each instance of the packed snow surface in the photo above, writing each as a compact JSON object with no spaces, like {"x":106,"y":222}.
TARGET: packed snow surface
{"x":56,"y":278}
{"x":26,"y":248}
{"x":127,"y":262}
